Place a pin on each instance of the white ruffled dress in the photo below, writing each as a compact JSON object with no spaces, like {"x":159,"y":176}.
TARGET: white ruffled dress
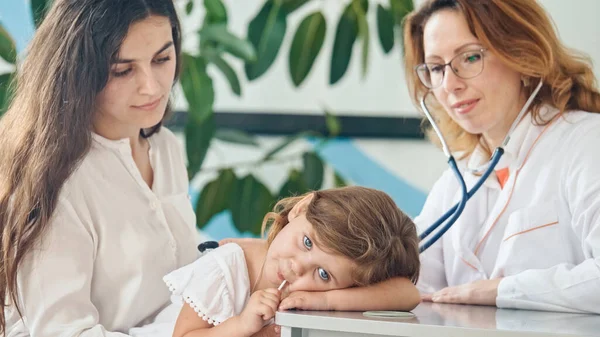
{"x":216,"y":285}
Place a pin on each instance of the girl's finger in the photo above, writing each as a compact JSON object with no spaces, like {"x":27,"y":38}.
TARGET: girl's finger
{"x":270,"y":298}
{"x":265,"y":311}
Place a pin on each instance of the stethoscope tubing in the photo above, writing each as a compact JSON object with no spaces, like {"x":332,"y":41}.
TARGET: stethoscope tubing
{"x":455,"y":212}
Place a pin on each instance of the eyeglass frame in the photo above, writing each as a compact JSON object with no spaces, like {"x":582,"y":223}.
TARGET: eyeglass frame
{"x":444,"y":65}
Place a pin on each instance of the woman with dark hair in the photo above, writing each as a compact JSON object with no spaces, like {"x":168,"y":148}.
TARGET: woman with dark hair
{"x":530,"y":237}
{"x":93,"y":190}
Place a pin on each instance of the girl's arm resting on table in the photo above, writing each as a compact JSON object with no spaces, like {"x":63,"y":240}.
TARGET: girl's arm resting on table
{"x":398,"y":293}
{"x":54,"y":281}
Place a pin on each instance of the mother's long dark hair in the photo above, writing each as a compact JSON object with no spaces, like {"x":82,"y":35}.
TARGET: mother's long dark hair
{"x":47,"y":128}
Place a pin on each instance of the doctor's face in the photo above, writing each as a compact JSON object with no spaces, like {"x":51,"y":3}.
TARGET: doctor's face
{"x":485,"y":104}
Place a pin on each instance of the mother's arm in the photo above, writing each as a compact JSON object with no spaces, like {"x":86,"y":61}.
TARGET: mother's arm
{"x":55,"y":279}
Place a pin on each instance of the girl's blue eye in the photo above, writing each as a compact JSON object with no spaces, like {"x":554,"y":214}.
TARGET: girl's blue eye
{"x":324,"y":275}
{"x":307,"y":243}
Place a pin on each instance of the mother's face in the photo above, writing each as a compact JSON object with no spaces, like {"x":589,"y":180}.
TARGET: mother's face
{"x":140,"y":81}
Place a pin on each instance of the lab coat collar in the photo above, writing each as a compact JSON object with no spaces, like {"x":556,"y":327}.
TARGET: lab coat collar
{"x":511,"y":150}
{"x":516,"y":148}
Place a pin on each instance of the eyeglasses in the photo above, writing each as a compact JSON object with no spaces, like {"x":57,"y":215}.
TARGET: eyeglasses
{"x":465,"y":65}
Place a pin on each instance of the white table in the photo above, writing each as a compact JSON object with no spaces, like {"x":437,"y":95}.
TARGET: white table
{"x":439,"y":320}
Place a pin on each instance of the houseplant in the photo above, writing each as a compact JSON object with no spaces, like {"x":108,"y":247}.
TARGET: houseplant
{"x":246,"y":197}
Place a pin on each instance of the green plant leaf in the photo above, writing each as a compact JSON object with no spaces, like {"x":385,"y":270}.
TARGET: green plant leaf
{"x":363,"y":33}
{"x":232,"y":44}
{"x":266,"y":32}
{"x":4,"y":92}
{"x":333,"y":124}
{"x":345,"y":36}
{"x":39,"y":9}
{"x":189,"y":7}
{"x":286,"y":142}
{"x":291,"y":5}
{"x":313,"y":170}
{"x":338,"y":180}
{"x":198,"y":136}
{"x":399,"y":9}
{"x":385,"y":28}
{"x":249,"y":203}
{"x":197,"y":88}
{"x":8,"y":50}
{"x":306,"y":45}
{"x":214,"y":197}
{"x":293,"y":186}
{"x":213,"y":57}
{"x":236,"y":136}
{"x":215,"y":11}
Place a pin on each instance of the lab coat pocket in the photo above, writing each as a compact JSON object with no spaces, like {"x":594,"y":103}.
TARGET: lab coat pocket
{"x":531,"y":239}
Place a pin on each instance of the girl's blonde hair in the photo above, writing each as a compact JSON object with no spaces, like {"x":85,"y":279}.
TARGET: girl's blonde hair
{"x":521,"y":34}
{"x":362,"y":224}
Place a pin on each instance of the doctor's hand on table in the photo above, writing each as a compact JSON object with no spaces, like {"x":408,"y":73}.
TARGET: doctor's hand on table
{"x":483,"y":292}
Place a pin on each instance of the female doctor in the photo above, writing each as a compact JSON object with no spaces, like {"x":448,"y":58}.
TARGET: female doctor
{"x":530,"y":237}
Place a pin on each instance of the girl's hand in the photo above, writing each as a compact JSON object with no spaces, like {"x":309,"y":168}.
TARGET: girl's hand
{"x":305,"y":300}
{"x":261,"y":307}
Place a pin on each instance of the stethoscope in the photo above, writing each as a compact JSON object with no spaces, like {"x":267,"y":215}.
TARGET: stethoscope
{"x":487,"y":168}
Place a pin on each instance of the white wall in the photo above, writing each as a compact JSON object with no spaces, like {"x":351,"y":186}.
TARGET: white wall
{"x":576,"y":21}
{"x":418,"y":162}
{"x":383,"y":92}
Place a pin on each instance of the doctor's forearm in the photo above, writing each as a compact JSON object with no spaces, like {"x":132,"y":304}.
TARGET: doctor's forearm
{"x":394,"y":294}
{"x":560,"y":288}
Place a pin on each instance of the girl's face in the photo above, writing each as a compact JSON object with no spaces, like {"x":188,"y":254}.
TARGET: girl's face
{"x":486,"y":104}
{"x":294,"y":256}
{"x":140,"y":82}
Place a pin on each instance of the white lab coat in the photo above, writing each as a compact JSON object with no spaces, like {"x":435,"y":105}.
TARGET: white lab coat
{"x":540,"y":233}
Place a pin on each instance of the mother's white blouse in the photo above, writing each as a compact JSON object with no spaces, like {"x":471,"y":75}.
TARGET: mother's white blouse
{"x":99,"y":269}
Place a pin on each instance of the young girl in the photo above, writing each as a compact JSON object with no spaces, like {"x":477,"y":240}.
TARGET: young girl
{"x":319,"y":242}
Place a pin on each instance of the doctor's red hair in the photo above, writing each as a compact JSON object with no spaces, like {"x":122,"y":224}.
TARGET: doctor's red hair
{"x":521,"y":34}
